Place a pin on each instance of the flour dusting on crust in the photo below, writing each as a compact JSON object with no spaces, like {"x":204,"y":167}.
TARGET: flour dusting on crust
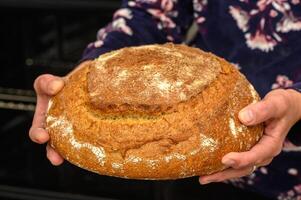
{"x":236,"y":128}
{"x":66,"y":128}
{"x":133,"y":159}
{"x":150,"y":75}
{"x":50,"y":102}
{"x":207,"y":142}
{"x":253,"y":93}
{"x":177,"y":156}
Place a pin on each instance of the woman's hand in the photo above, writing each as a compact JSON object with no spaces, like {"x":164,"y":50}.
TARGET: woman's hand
{"x":45,"y":86}
{"x":279,"y":111}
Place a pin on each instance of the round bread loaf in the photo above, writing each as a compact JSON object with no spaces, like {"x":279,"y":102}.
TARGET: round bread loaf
{"x":152,"y":112}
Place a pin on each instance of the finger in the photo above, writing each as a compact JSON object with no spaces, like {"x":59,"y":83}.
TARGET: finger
{"x":258,"y":112}
{"x":268,"y":147}
{"x":38,"y":135}
{"x":48,"y":84}
{"x":40,"y":112}
{"x":274,"y":105}
{"x":225,"y":175}
{"x":37,"y":131}
{"x":231,"y":173}
{"x":41,"y":85}
{"x":55,"y":158}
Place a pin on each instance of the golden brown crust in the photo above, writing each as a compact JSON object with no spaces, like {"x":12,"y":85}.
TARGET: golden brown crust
{"x":180,"y":138}
{"x":149,"y":79}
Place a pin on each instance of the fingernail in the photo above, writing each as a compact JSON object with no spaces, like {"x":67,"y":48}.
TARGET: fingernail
{"x":204,"y":182}
{"x":207,"y":181}
{"x":246,"y":116}
{"x":228,"y":162}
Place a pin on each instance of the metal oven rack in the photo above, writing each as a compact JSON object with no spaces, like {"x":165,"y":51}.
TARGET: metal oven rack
{"x":17,"y":99}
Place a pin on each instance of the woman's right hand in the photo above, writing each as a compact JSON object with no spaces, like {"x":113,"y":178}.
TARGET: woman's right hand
{"x":45,"y":86}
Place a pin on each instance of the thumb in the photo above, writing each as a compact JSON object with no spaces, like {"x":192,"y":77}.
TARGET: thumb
{"x":258,"y":112}
{"x":48,"y":84}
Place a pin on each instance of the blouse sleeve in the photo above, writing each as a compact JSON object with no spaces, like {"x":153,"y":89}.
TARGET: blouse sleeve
{"x":296,"y":86}
{"x":140,"y":22}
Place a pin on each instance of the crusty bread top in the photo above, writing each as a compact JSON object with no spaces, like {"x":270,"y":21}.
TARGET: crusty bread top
{"x":124,"y":81}
{"x":126,"y":133}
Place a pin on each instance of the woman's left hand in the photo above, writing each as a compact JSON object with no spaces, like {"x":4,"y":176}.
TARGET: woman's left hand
{"x":279,"y":111}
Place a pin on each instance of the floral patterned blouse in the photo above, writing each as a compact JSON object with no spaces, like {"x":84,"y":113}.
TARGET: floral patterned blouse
{"x":262,"y":38}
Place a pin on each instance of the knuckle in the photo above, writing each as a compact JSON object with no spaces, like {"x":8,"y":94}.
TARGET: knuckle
{"x":267,"y":107}
{"x":276,"y":102}
{"x":276,"y":150}
{"x":242,"y":164}
{"x":248,"y":160}
{"x":262,"y":110}
{"x":282,"y":101}
{"x":277,"y":133}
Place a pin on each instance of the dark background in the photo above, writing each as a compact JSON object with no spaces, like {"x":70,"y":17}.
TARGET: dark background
{"x":48,"y":36}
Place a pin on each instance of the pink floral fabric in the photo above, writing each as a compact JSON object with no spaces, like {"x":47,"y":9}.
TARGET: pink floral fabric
{"x":265,"y":22}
